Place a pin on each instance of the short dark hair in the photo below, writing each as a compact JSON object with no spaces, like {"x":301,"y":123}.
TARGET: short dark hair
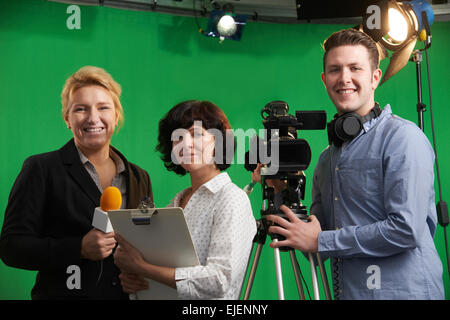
{"x":352,"y":37}
{"x":183,"y":116}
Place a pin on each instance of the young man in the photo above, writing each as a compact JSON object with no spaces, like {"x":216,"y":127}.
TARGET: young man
{"x":373,"y":193}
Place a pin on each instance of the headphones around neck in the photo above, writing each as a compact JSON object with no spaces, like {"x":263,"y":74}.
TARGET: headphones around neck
{"x":347,"y":126}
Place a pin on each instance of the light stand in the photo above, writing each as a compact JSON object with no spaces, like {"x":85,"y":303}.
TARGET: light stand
{"x":418,"y":15}
{"x":417,"y":57}
{"x":421,"y":107}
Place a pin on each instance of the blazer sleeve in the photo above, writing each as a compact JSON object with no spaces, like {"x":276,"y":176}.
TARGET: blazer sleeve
{"x":22,"y":241}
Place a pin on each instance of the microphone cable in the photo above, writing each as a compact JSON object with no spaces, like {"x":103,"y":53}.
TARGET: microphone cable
{"x":100,"y":273}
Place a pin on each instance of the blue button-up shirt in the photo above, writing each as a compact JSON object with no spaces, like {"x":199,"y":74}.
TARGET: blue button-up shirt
{"x":374,"y":197}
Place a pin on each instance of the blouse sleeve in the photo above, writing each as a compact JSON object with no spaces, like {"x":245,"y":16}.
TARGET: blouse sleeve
{"x":232,"y":233}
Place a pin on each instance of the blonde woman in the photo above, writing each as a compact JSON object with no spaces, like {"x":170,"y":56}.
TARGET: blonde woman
{"x":48,"y":219}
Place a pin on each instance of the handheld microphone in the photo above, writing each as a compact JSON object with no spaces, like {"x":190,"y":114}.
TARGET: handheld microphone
{"x":111,"y":199}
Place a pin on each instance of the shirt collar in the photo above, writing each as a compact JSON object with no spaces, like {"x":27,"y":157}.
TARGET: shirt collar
{"x":216,"y":183}
{"x":83,"y":158}
{"x":119,"y":162}
{"x":371,"y":123}
{"x":114,"y":156}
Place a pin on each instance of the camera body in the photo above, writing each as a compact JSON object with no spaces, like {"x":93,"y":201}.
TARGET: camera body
{"x":281,"y":129}
{"x":294,"y":156}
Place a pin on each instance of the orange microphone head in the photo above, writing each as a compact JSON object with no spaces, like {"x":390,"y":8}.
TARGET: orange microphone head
{"x":111,"y":199}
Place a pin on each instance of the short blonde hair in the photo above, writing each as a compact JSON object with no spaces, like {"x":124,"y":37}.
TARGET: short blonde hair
{"x":88,"y":76}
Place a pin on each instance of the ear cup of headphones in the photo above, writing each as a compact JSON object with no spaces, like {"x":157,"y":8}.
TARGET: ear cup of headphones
{"x":344,"y":128}
{"x":348,"y":126}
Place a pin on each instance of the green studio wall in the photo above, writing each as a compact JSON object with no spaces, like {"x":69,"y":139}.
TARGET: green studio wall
{"x":161,"y":60}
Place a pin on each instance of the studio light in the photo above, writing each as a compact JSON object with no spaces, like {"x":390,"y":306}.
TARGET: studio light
{"x":225,"y":25}
{"x":396,"y":27}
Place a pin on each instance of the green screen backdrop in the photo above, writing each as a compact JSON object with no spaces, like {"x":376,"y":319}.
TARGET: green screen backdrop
{"x":161,"y":60}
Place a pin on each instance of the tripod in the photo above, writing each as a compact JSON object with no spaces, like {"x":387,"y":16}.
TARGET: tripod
{"x":260,"y":239}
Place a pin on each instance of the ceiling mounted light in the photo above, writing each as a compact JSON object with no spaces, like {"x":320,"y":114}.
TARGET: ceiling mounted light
{"x":225,"y":25}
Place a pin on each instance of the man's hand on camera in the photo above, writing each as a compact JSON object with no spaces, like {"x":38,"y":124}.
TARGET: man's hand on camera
{"x":299,"y":235}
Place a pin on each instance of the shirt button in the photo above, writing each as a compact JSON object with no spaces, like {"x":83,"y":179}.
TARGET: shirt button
{"x":337,"y":168}
{"x":336,"y":198}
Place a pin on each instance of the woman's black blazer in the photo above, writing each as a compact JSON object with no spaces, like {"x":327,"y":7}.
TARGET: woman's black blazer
{"x":50,"y":209}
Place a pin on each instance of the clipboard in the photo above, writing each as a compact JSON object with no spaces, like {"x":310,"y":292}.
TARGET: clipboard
{"x":162,"y":237}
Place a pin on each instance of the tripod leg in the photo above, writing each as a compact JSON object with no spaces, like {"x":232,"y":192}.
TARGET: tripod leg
{"x":298,"y":280}
{"x":251,"y":276}
{"x":323,"y":275}
{"x":314,"y":277}
{"x":276,"y":253}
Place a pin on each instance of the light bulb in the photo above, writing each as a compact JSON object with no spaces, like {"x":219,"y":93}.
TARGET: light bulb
{"x":398,"y":26}
{"x":226,"y":26}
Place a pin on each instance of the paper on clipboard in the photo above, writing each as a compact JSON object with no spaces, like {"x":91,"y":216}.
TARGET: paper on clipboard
{"x":162,"y":237}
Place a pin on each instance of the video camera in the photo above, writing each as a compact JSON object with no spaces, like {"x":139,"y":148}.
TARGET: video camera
{"x":294,"y":156}
{"x":284,"y":158}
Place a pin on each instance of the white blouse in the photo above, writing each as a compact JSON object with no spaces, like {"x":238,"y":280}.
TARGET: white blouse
{"x":222,"y":227}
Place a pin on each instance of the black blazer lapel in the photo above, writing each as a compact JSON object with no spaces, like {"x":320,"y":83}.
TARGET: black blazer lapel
{"x":76,"y":170}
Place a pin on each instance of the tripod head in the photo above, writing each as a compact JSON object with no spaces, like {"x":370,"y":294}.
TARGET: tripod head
{"x":291,"y":195}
